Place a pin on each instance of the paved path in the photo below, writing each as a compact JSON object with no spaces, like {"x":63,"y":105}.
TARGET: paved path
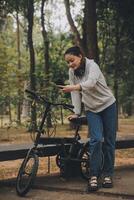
{"x":123,"y":185}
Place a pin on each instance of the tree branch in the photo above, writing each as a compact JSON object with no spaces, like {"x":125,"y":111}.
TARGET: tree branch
{"x":71,"y":22}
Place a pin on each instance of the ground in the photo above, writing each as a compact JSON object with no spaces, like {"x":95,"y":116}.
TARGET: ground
{"x":49,"y":195}
{"x":9,"y":169}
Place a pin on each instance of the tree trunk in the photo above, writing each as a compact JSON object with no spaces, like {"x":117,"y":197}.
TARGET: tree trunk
{"x":117,"y":63}
{"x":46,"y":55}
{"x":10,"y":113}
{"x":88,"y":43}
{"x":32,"y":56}
{"x":19,"y":67}
{"x":46,"y":66}
{"x":77,"y":38}
{"x":46,"y":42}
{"x":61,"y":114}
{"x":90,"y":30}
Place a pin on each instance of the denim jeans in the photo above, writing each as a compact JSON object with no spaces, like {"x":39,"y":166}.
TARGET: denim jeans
{"x":102,"y":127}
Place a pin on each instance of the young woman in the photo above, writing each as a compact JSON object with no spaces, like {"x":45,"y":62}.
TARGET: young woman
{"x":88,"y":85}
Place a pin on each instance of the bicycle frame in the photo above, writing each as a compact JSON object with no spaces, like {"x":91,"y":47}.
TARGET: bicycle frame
{"x":29,"y":166}
{"x":39,"y":131}
{"x":47,"y":109}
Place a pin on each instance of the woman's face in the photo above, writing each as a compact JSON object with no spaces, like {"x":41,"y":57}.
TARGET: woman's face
{"x":73,"y":61}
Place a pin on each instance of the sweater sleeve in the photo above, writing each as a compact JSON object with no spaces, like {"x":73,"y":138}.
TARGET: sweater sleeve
{"x":75,"y":95}
{"x":93,"y":77}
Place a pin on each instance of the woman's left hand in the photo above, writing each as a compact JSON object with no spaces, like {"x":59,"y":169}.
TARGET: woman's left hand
{"x":73,"y":116}
{"x":69,"y":88}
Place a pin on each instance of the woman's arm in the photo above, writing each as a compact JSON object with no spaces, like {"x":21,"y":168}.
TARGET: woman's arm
{"x":71,"y":88}
{"x":75,"y":94}
{"x":93,"y":77}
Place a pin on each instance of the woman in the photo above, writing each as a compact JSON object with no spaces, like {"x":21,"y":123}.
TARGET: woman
{"x":88,"y":86}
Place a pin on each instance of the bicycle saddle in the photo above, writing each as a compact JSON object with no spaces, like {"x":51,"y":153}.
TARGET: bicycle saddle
{"x":79,"y":120}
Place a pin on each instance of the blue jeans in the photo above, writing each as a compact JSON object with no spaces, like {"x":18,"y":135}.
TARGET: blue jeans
{"x":102,"y":125}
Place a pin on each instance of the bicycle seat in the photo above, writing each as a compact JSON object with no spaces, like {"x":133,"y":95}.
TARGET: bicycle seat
{"x":79,"y":120}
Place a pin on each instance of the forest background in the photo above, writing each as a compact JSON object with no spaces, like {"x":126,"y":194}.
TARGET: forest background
{"x":34,"y":35}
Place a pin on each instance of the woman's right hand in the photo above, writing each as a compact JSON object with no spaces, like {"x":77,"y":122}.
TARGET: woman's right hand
{"x":72,"y":116}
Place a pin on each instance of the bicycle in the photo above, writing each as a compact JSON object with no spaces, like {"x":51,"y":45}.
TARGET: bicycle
{"x":75,"y":154}
{"x":29,"y":166}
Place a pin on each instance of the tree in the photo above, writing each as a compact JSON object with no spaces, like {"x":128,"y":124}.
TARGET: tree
{"x":30,"y":14}
{"x":45,"y":44}
{"x":114,"y":36}
{"x":19,"y":64}
{"x":88,"y":40}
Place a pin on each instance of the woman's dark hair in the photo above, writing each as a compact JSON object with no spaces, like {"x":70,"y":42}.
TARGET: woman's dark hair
{"x":75,"y":50}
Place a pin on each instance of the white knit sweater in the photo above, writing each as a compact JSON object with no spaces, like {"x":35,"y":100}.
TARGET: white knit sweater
{"x":95,"y":93}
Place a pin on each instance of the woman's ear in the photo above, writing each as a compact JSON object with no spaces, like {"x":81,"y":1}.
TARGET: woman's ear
{"x":80,"y":56}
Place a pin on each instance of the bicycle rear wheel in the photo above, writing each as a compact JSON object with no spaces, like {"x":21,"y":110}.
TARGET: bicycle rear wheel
{"x":84,"y":155}
{"x":27,"y":174}
{"x":58,"y":160}
{"x":85,"y":163}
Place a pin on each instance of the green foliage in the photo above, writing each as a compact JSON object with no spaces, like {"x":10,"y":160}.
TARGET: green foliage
{"x":115,"y":36}
{"x":58,"y":70}
{"x":13,"y":79}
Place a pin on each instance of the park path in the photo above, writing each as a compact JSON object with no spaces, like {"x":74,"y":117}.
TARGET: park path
{"x":53,"y":187}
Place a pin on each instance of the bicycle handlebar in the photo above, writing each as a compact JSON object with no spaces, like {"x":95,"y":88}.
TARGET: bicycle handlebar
{"x":32,"y":93}
{"x":41,"y":98}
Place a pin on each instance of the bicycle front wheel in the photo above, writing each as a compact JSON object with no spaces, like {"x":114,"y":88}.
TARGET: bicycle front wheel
{"x":27,"y":174}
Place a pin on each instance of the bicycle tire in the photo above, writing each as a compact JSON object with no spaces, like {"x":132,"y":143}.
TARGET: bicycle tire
{"x":58,"y":160}
{"x":84,"y":155}
{"x":25,"y":178}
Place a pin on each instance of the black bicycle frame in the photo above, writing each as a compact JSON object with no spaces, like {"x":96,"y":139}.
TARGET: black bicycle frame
{"x":42,"y":124}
